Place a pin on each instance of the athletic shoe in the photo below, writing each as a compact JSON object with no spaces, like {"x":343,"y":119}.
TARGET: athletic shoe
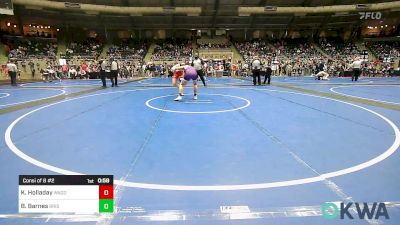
{"x":178,"y":98}
{"x":195,"y":97}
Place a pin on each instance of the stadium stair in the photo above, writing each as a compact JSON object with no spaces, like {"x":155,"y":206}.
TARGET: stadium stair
{"x":147,"y":57}
{"x":214,"y":40}
{"x":318,"y":48}
{"x":103,"y":53}
{"x":195,"y":48}
{"x":281,"y":55}
{"x":236,"y":54}
{"x":3,"y":56}
{"x":3,"y":60}
{"x":61,"y":48}
{"x":361,"y":46}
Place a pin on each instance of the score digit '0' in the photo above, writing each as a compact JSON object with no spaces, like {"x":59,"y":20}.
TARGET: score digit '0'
{"x":103,"y":180}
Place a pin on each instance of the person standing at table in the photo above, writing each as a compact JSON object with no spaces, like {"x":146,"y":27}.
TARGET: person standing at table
{"x":12,"y":72}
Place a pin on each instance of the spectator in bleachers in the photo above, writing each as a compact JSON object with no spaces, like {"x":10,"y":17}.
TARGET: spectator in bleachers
{"x":172,"y":51}
{"x":72,"y":73}
{"x":385,"y":50}
{"x":214,"y":46}
{"x":127,"y":50}
{"x":87,"y":49}
{"x":22,"y":49}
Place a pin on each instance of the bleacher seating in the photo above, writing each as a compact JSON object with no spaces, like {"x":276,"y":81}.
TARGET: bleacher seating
{"x":212,"y":41}
{"x":20,"y":48}
{"x":214,"y":46}
{"x":339,"y":50}
{"x":255,"y":48}
{"x":87,"y":49}
{"x":385,"y":49}
{"x":127,"y":51}
{"x":129,"y":54}
{"x":169,"y":51}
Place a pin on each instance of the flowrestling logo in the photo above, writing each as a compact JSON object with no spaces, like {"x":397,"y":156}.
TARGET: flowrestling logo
{"x":350,"y":210}
{"x":370,"y":15}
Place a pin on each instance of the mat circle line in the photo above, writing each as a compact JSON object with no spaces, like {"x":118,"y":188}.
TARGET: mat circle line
{"x":147,"y":103}
{"x":19,"y":89}
{"x":392,"y":149}
{"x":209,"y":81}
{"x":68,"y":84}
{"x":332,"y":89}
{"x":5,"y":95}
{"x":293,"y":81}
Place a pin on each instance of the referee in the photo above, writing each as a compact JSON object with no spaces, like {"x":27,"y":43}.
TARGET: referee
{"x":356,"y":65}
{"x":198,"y":65}
{"x":12,"y":72}
{"x":256,"y":66}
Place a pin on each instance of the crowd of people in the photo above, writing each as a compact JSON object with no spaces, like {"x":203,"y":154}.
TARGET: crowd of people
{"x":282,"y":57}
{"x":302,"y":58}
{"x":50,"y":70}
{"x":127,"y":51}
{"x":343,"y":54}
{"x":387,"y":51}
{"x":32,"y":48}
{"x":255,"y":48}
{"x":88,"y":49}
{"x":25,"y":53}
{"x":169,"y":51}
{"x":340,"y":50}
{"x":89,"y":69}
{"x":214,"y":46}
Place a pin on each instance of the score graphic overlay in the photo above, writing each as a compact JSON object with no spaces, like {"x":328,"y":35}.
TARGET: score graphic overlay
{"x":79,"y":194}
